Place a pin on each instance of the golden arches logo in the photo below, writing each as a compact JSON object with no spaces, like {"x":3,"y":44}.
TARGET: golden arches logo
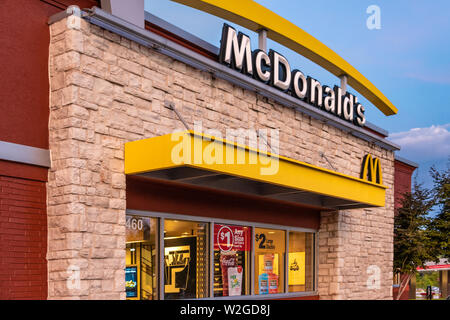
{"x":371,"y":170}
{"x":254,"y":16}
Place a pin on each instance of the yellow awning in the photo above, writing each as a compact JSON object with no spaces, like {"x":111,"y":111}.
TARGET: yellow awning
{"x":199,"y":159}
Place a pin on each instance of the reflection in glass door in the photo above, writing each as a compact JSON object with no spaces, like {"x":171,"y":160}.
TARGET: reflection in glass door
{"x":140,"y":270}
{"x":185,"y":259}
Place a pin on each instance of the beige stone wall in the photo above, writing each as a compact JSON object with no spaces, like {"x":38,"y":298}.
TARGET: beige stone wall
{"x":107,"y":90}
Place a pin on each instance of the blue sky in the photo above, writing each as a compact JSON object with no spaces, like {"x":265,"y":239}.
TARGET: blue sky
{"x":408,"y":59}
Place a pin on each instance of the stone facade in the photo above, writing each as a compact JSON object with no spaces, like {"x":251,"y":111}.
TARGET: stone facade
{"x":107,"y":90}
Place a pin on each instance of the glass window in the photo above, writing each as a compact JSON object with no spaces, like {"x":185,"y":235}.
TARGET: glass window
{"x":301,"y":261}
{"x":185,"y":259}
{"x":187,"y":265}
{"x":140,"y":271}
{"x":232,"y":246}
{"x":270,"y":250}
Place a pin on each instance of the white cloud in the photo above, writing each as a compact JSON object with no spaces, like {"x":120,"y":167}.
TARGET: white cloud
{"x":438,"y":77}
{"x":424,"y":144}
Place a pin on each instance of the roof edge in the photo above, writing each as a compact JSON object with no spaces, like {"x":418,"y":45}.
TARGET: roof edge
{"x":406,"y":161}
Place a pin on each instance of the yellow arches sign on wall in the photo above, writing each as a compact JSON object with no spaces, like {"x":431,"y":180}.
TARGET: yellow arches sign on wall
{"x":371,"y":169}
{"x":254,"y":16}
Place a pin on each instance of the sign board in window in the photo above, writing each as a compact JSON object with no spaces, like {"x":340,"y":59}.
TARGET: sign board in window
{"x":296,"y":268}
{"x":231,"y":260}
{"x":137,"y":229}
{"x":228,"y":238}
{"x":131,"y":282}
{"x":270,"y":248}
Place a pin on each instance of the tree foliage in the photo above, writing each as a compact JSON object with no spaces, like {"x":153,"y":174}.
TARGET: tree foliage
{"x":412,"y":241}
{"x":418,"y":237}
{"x":426,"y":279}
{"x":439,"y":227}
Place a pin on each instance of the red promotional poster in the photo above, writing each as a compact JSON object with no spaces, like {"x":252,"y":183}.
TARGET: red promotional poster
{"x":273,"y":283}
{"x":227,"y":260}
{"x":227,"y":238}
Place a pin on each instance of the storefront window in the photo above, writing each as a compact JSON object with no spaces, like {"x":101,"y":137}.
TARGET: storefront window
{"x":185,"y":259}
{"x":270,"y":250}
{"x":140,"y":271}
{"x":301,"y":261}
{"x":232,"y":246}
{"x":190,"y":269}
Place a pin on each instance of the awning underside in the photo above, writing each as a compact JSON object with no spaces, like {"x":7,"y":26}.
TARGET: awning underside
{"x":293,"y":181}
{"x":226,"y":182}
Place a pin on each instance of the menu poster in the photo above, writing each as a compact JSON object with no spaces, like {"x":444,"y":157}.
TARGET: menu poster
{"x":269,"y":241}
{"x":131,"y":282}
{"x":268,"y":269}
{"x":235,"y":281}
{"x":296,"y":268}
{"x":273,"y":283}
{"x":263,"y":283}
{"x":227,"y":261}
{"x":268,"y":263}
{"x":227,"y":238}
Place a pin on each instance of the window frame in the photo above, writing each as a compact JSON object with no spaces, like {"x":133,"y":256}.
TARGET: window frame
{"x":285,"y":260}
{"x":161,"y":216}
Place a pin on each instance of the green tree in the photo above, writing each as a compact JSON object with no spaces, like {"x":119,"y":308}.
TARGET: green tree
{"x":439,"y":228}
{"x":412,"y":242}
{"x":425,"y":279}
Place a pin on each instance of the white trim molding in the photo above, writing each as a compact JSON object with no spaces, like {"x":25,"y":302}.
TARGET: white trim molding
{"x":24,"y":154}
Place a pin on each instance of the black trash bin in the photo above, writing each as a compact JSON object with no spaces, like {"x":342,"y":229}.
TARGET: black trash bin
{"x":429,"y":293}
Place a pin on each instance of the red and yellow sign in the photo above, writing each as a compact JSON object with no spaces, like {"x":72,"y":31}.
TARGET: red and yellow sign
{"x":228,"y":238}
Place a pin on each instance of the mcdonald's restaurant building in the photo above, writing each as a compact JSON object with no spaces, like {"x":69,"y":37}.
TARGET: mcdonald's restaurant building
{"x":140,"y":162}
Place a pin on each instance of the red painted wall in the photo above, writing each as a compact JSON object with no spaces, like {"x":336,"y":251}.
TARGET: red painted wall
{"x":154,"y":195}
{"x":402,"y":184}
{"x":404,"y":296}
{"x":24,"y":96}
{"x":24,"y":84}
{"x":402,"y":180}
{"x":23,"y":234}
